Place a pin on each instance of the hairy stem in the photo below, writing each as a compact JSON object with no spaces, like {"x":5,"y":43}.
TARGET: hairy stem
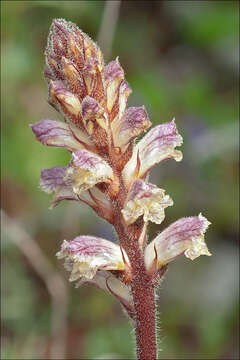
{"x":144,"y":303}
{"x":144,"y":306}
{"x":142,"y":290}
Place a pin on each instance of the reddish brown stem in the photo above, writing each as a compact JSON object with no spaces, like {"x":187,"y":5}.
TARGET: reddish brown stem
{"x":142,"y":290}
{"x":144,"y":304}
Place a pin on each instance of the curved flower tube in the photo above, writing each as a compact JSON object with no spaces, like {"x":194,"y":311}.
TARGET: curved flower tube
{"x":85,"y":255}
{"x":185,"y":236}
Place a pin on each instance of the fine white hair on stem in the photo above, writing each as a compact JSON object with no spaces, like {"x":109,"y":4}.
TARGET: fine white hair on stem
{"x":108,"y":26}
{"x":54,"y":282}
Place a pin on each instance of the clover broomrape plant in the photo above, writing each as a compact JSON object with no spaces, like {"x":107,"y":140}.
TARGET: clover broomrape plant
{"x":109,"y":172}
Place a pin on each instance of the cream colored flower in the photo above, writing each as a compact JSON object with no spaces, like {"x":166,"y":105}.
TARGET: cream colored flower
{"x":147,"y":200}
{"x":185,"y":236}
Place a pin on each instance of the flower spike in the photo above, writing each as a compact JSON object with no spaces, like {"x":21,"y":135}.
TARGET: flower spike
{"x":109,"y":171}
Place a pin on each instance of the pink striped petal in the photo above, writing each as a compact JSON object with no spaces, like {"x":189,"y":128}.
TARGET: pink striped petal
{"x":129,"y":126}
{"x":56,"y":133}
{"x":113,"y":76}
{"x":53,"y":181}
{"x":184,"y":236}
{"x":85,"y":255}
{"x":87,"y":169}
{"x":157,"y":145}
{"x":145,"y":200}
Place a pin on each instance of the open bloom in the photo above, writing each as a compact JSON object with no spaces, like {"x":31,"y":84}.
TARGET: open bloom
{"x":85,"y":255}
{"x":87,"y":169}
{"x":53,"y":180}
{"x":185,"y":236}
{"x":147,"y":200}
{"x":90,"y":259}
{"x":157,"y":145}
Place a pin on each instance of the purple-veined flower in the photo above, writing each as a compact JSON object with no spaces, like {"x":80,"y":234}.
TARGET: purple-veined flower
{"x":185,"y":236}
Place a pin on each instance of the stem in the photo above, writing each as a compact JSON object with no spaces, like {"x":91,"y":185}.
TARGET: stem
{"x":144,"y":303}
{"x":142,"y":291}
{"x":144,"y":306}
{"x":132,"y":239}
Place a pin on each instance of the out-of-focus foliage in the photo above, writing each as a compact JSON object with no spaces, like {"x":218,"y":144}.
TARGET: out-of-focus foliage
{"x":181,"y":59}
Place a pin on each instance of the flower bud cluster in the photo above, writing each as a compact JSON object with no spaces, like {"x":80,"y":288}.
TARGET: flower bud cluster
{"x":107,"y":165}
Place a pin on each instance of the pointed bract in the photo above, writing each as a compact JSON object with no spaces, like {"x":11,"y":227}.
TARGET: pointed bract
{"x":108,"y":282}
{"x":93,"y":115}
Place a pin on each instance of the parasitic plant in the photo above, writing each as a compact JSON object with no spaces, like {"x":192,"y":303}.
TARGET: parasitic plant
{"x":109,"y":171}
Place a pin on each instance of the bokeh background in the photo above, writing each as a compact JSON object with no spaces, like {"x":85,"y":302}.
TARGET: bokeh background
{"x":181,"y":60}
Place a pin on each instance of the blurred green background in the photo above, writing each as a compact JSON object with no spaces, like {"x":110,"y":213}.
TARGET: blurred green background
{"x":181,"y":60}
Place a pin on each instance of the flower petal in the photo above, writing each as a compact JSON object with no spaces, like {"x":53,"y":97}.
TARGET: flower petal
{"x":52,"y":181}
{"x":85,"y":255}
{"x":157,"y":145}
{"x":129,"y":126}
{"x":87,"y":169}
{"x":56,"y":133}
{"x":113,"y":76}
{"x":147,"y":200}
{"x":184,"y":236}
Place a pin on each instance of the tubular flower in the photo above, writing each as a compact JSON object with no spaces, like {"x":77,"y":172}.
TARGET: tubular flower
{"x":90,"y":259}
{"x":109,"y":171}
{"x":56,"y":133}
{"x":157,"y":145}
{"x":185,"y":236}
{"x":147,"y":200}
{"x":87,"y":169}
{"x":53,"y":181}
{"x":85,"y":255}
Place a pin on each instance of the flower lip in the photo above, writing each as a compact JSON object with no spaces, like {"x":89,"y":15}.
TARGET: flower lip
{"x":87,"y":169}
{"x":147,"y":200}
